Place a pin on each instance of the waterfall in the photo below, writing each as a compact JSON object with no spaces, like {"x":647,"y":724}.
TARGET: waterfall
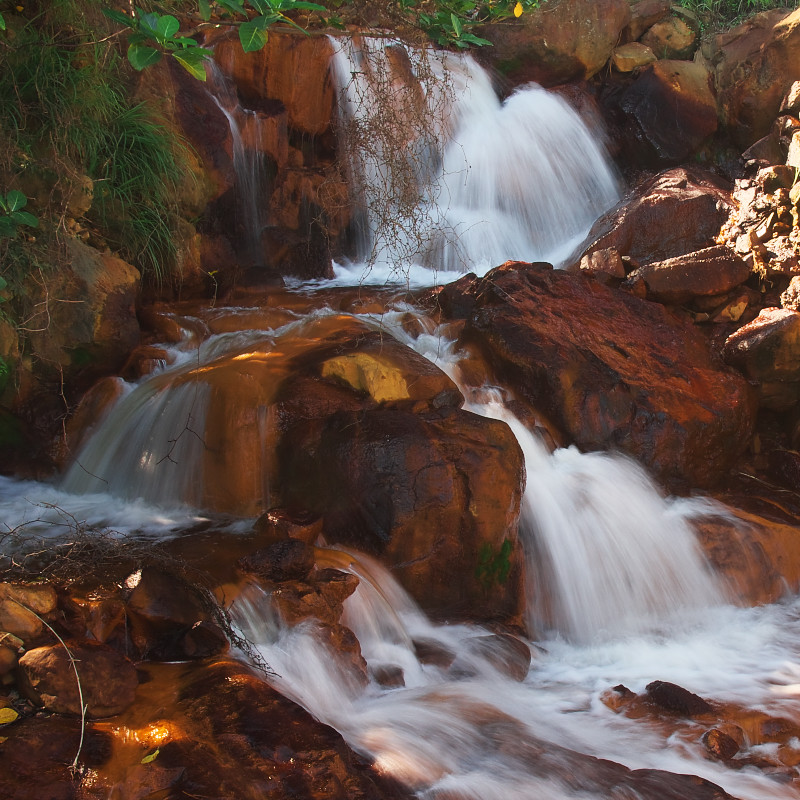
{"x":447,"y":177}
{"x":249,"y":164}
{"x":607,"y":555}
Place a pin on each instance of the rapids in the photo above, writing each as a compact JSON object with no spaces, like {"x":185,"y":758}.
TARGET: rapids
{"x":618,"y":589}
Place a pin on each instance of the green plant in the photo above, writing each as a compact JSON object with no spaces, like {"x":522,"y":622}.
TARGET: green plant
{"x":494,"y":567}
{"x":12,"y":215}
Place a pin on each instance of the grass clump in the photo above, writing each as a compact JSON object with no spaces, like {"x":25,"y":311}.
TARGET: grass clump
{"x":68,"y":128}
{"x":718,"y":14}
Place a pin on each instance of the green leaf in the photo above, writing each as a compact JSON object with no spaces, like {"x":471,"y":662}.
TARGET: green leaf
{"x":456,"y":24}
{"x":24,"y":218}
{"x":149,"y":759}
{"x":205,"y":9}
{"x":167,"y":26}
{"x":304,"y":5}
{"x":473,"y":39}
{"x":16,"y":199}
{"x":2,"y":23}
{"x":252,"y":36}
{"x":118,"y":16}
{"x":193,"y":61}
{"x":3,"y":285}
{"x":142,"y":56}
{"x":7,"y":228}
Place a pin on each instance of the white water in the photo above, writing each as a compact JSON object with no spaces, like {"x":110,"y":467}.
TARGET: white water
{"x":452,"y":180}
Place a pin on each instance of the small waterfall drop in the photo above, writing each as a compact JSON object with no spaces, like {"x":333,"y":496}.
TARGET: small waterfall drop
{"x":607,"y":555}
{"x":449,"y":178}
{"x":249,"y":164}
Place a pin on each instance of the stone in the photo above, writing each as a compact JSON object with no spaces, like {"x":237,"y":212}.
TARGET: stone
{"x":755,"y":65}
{"x":632,"y":56}
{"x":720,"y":745}
{"x":612,"y":371}
{"x":767,"y":351}
{"x":281,"y":523}
{"x":791,"y":102}
{"x":94,"y":405}
{"x":645,"y":13}
{"x":671,"y":108}
{"x":790,"y":298}
{"x":793,"y":156}
{"x":676,"y":212}
{"x":287,"y":560}
{"x":677,"y":700}
{"x":671,"y":38}
{"x":509,"y":655}
{"x":108,"y":680}
{"x":604,"y":264}
{"x":93,"y":326}
{"x":707,"y":272}
{"x":559,"y":41}
{"x":21,"y":605}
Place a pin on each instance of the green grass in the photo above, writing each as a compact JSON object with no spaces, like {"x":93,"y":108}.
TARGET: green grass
{"x":66,"y":115}
{"x":726,"y":13}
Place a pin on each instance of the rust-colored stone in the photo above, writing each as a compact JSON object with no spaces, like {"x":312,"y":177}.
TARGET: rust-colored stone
{"x":612,"y":371}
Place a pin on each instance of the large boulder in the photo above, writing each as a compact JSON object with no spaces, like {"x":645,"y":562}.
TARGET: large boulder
{"x":611,"y":370}
{"x":754,"y":66}
{"x":670,"y":109}
{"x":673,"y":213}
{"x":559,"y":41}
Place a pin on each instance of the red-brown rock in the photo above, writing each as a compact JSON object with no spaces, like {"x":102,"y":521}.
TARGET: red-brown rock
{"x":612,"y":371}
{"x":676,"y":212}
{"x":559,"y":41}
{"x":767,"y":350}
{"x":705,"y":273}
{"x":755,"y":65}
{"x":108,"y":680}
{"x":645,"y":13}
{"x":671,"y":108}
{"x":671,"y":38}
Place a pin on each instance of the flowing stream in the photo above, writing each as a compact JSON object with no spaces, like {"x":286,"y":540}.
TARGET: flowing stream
{"x":619,"y":592}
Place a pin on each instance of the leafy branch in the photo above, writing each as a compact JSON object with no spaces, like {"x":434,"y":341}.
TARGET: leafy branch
{"x":12,"y":215}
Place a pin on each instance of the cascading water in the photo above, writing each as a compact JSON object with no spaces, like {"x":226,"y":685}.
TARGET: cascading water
{"x":618,"y":590}
{"x":449,"y":178}
{"x":249,"y":164}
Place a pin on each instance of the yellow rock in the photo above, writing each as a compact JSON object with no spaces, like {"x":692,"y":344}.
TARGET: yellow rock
{"x":368,"y":373}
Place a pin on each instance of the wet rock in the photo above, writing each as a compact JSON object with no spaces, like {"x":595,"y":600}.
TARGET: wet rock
{"x":390,"y":676}
{"x":287,"y":560}
{"x":720,"y":745}
{"x":676,"y":212}
{"x":557,"y":42}
{"x":755,"y":65}
{"x":203,"y":640}
{"x":320,"y":599}
{"x":671,"y":38}
{"x":612,"y":371}
{"x":757,"y":558}
{"x":704,"y":273}
{"x":92,"y":408}
{"x":509,"y":655}
{"x":671,"y":108}
{"x":144,"y":781}
{"x":677,"y":700}
{"x":36,"y":755}
{"x":767,"y":350}
{"x":432,"y":651}
{"x":244,"y":740}
{"x":617,"y":698}
{"x":425,"y":491}
{"x":108,"y":680}
{"x":281,"y":523}
{"x":606,"y":265}
{"x":162,"y":609}
{"x":631,"y":56}
{"x":143,"y":360}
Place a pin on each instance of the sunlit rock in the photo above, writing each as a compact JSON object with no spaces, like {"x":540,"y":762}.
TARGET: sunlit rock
{"x":559,"y":41}
{"x":645,"y":13}
{"x":671,"y":38}
{"x":767,"y":350}
{"x":755,"y":65}
{"x":612,"y":371}
{"x":712,"y":271}
{"x":631,"y":56}
{"x":676,"y":212}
